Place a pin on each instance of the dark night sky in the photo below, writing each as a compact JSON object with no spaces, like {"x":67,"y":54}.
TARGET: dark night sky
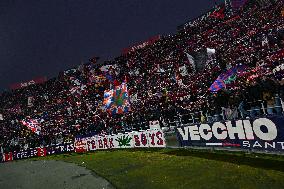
{"x":43,"y":37}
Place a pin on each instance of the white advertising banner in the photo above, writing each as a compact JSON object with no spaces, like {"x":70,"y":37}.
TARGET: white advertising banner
{"x":141,"y":139}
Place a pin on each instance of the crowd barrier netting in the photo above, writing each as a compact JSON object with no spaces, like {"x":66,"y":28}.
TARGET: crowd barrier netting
{"x":142,"y":139}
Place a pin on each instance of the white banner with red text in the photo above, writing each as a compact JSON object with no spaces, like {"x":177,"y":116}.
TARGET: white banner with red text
{"x":141,"y":139}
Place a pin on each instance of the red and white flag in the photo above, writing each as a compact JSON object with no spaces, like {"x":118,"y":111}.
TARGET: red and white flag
{"x":33,"y":125}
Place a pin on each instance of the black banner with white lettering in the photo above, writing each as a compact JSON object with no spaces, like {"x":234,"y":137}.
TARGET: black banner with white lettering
{"x":38,"y":152}
{"x":60,"y":148}
{"x":265,"y":133}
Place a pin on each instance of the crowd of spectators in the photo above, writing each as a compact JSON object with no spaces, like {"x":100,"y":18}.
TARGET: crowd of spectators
{"x":163,"y":84}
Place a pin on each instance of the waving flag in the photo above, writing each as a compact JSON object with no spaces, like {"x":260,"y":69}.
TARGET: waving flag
{"x":108,"y":98}
{"x":33,"y":125}
{"x":217,"y":85}
{"x":116,"y":101}
{"x":231,"y":74}
{"x":227,"y":78}
{"x":191,"y":61}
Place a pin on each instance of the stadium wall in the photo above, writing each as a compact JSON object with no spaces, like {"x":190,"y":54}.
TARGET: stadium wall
{"x":263,"y":134}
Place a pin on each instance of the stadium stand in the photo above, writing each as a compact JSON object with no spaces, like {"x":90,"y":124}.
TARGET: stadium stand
{"x":219,"y":66}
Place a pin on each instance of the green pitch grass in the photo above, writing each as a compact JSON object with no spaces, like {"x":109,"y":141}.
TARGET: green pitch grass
{"x":190,"y":169}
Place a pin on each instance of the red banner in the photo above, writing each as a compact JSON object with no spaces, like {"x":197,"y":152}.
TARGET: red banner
{"x":27,"y":83}
{"x":141,"y":45}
